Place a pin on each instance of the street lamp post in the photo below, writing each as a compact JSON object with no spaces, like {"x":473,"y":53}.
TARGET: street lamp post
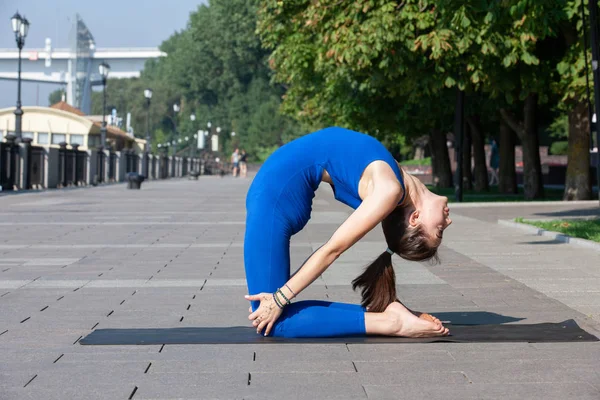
{"x":20,"y":26}
{"x":104,"y":69}
{"x":209,"y":136}
{"x":219,"y":147}
{"x":192,"y":146}
{"x":148,"y":96}
{"x":176,"y":109}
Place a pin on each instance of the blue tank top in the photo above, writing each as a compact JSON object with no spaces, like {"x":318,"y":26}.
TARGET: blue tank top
{"x":295,"y":170}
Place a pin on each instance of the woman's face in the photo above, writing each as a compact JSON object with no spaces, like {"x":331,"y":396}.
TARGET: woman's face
{"x":433,"y":214}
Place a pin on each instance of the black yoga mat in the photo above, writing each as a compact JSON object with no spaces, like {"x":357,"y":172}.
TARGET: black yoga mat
{"x":567,"y":331}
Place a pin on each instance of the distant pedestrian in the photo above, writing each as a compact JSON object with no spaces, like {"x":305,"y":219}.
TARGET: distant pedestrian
{"x":243,"y":165}
{"x":235,"y":160}
{"x":494,"y":162}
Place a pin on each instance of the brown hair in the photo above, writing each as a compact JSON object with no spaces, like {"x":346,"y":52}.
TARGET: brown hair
{"x":378,"y":281}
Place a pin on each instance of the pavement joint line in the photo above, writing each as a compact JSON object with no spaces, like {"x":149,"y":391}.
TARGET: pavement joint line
{"x":559,"y":237}
{"x":31,"y":380}
{"x":133,"y":393}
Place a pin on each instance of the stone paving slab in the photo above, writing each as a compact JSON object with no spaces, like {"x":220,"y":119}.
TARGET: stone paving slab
{"x":171,"y":255}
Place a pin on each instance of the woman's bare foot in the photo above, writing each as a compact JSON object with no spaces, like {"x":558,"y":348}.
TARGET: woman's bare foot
{"x":427,"y":317}
{"x":404,"y":323}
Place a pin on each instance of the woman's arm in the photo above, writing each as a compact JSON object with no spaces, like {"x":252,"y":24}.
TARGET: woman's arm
{"x":374,"y":208}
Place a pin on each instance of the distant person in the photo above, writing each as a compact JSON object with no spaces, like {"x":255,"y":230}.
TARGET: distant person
{"x":243,"y":165}
{"x":494,"y":162}
{"x":235,"y":160}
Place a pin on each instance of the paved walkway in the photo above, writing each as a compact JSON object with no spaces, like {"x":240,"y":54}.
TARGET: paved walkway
{"x":170,"y":255}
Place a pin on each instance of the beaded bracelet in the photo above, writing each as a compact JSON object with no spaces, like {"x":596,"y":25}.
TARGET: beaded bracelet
{"x":287,"y":301}
{"x":294,"y":294}
{"x":277,"y":301}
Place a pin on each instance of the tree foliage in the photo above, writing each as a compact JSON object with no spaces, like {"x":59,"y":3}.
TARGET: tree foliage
{"x":215,"y":68}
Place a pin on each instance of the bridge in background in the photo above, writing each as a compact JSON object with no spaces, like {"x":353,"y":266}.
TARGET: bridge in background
{"x":75,"y":67}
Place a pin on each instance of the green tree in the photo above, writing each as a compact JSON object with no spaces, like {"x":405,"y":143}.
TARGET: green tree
{"x":216,"y":69}
{"x":343,"y":61}
{"x":55,"y":96}
{"x":571,"y":86}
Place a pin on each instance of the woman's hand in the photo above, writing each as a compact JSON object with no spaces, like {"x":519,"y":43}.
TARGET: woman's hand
{"x":266,"y":314}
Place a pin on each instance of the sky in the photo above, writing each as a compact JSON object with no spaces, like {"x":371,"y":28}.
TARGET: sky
{"x":113,"y":23}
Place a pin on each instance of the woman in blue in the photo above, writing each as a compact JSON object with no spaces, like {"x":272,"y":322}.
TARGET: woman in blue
{"x":365,"y":176}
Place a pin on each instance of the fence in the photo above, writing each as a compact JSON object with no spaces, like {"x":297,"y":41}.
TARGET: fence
{"x":9,"y":164}
{"x":23,"y":166}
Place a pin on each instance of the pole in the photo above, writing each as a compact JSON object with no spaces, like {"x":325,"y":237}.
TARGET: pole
{"x":147,"y":149}
{"x":19,"y":110}
{"x":174,"y":141}
{"x":593,"y":7}
{"x":458,"y":134}
{"x":148,"y":127}
{"x":103,"y":129}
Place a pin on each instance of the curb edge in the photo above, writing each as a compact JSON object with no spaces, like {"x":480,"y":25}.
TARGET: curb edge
{"x":560,"y":237}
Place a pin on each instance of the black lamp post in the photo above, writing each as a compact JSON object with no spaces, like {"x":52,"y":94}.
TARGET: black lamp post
{"x":104,"y":69}
{"x":20,"y":27}
{"x":148,"y":96}
{"x":209,"y":135}
{"x":176,"y":109}
{"x":192,"y":148}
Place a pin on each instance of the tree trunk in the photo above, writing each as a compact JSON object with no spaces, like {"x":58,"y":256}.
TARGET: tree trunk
{"x":507,"y":175}
{"x":532,"y":167}
{"x":440,"y":161}
{"x":466,"y":166}
{"x":480,"y":171}
{"x":578,"y":183}
{"x":527,"y":132}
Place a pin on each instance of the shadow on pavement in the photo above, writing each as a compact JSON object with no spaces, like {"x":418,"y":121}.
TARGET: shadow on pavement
{"x":583,"y":212}
{"x":475,"y":317}
{"x":553,"y":241}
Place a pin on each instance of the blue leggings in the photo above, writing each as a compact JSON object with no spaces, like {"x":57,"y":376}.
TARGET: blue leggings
{"x":267,"y":264}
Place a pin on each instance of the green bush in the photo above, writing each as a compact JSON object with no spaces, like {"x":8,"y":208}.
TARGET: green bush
{"x":559,"y":128}
{"x":424,"y":161}
{"x":559,"y":148}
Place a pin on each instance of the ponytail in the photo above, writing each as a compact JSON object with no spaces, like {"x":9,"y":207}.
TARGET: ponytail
{"x":377,"y":284}
{"x":378,"y":281}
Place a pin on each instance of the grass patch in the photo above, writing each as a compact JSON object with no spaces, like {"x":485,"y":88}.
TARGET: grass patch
{"x":493,"y":195}
{"x":584,"y":229}
{"x":424,"y":161}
